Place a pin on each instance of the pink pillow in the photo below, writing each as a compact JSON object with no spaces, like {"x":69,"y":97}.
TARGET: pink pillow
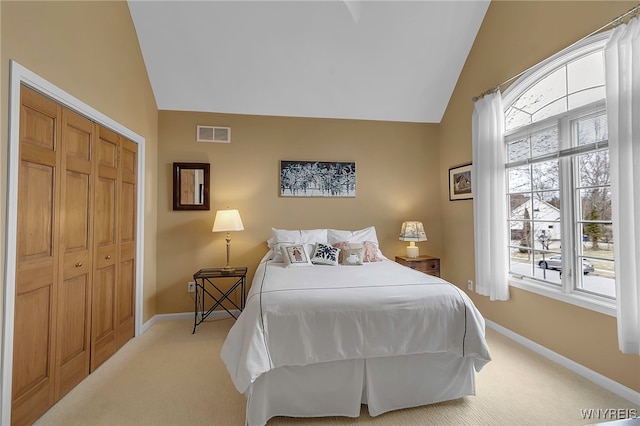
{"x":371,"y":252}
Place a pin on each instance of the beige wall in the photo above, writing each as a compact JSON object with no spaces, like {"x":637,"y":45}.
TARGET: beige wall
{"x":90,"y":50}
{"x":515,"y":36}
{"x":397,"y":179}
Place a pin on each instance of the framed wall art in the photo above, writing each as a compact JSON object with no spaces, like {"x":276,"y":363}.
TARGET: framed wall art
{"x":460,"y":185}
{"x":317,"y":179}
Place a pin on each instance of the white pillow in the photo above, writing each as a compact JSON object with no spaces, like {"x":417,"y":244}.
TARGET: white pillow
{"x":360,"y":236}
{"x":295,"y":256}
{"x":281,"y":237}
{"x":325,"y":254}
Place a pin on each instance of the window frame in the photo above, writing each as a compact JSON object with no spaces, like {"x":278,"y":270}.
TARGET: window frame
{"x":565,"y":291}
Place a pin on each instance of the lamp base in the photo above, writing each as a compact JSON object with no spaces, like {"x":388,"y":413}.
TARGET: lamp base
{"x":413,"y":250}
{"x":228,"y":269}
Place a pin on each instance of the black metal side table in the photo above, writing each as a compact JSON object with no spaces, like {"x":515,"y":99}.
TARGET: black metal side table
{"x":206,"y":286}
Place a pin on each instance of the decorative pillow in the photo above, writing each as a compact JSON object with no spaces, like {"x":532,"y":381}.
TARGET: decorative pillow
{"x":343,"y":245}
{"x":352,"y":256}
{"x":325,"y":254}
{"x":370,"y":250}
{"x":295,"y":256}
{"x":281,"y":237}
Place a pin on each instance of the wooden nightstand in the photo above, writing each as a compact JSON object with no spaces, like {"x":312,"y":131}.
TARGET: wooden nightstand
{"x":427,"y":264}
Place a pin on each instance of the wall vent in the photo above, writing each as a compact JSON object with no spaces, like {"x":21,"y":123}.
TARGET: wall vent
{"x":213,"y":134}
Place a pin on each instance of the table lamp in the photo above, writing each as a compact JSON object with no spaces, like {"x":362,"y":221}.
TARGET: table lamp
{"x":227,"y":221}
{"x":412,"y":231}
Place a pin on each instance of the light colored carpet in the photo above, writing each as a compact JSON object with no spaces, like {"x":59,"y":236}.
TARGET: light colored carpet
{"x":170,"y":377}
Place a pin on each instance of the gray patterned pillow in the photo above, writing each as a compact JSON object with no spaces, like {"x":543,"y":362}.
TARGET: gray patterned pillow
{"x":325,"y":254}
{"x":352,"y":256}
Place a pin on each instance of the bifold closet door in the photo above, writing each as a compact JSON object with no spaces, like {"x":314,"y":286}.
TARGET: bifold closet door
{"x":127,"y":237}
{"x":75,"y":253}
{"x":37,"y":265}
{"x":106,"y":253}
{"x":76,"y":248}
{"x":113,"y":306}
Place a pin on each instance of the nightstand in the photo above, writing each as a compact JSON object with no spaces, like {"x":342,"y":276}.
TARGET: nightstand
{"x":206,"y":285}
{"x":427,"y":264}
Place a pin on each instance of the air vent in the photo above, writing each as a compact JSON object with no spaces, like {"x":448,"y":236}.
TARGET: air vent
{"x":213,"y":134}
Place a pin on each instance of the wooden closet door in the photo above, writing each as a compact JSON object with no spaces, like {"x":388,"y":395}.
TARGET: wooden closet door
{"x":127,"y":237}
{"x":76,"y":224}
{"x":75,"y":252}
{"x":105,"y":276}
{"x":37,"y":263}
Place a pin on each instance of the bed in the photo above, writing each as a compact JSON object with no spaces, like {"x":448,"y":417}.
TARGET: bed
{"x":322,"y":339}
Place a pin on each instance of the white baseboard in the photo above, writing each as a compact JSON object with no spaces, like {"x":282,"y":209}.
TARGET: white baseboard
{"x":185,"y":315}
{"x":597,"y":378}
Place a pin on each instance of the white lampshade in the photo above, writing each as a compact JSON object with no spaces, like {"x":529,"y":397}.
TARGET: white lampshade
{"x":227,"y":220}
{"x":412,"y":231}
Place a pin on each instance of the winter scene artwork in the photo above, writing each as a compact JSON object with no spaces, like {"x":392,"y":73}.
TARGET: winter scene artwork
{"x":317,"y":179}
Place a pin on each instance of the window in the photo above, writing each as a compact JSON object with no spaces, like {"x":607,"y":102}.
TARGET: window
{"x":557,"y":177}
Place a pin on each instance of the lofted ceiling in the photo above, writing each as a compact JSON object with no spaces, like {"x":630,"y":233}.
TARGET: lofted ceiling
{"x":370,"y":60}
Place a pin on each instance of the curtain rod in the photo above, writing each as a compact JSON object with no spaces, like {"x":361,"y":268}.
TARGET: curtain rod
{"x":615,"y":22}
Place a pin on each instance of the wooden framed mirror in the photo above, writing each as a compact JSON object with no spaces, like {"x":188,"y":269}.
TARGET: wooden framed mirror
{"x":191,"y":186}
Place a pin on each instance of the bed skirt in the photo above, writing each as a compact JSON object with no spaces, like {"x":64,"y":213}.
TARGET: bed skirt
{"x":339,"y":388}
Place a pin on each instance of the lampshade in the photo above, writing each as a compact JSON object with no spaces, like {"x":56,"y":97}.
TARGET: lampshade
{"x":227,"y":220}
{"x":412,"y":231}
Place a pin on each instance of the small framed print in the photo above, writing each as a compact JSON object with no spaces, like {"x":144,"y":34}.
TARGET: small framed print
{"x":460,"y":185}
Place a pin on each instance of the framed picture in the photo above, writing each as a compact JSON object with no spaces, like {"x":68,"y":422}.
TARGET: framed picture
{"x":460,"y":183}
{"x":317,"y":179}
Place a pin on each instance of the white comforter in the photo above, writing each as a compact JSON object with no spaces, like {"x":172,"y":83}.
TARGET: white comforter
{"x":300,"y":316}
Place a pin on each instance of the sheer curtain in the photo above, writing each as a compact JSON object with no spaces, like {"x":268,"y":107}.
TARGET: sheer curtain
{"x":488,"y":183}
{"x":622,"y":73}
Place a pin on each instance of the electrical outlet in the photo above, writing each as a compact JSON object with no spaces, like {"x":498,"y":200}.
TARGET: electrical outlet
{"x":191,"y":287}
{"x":470,"y":284}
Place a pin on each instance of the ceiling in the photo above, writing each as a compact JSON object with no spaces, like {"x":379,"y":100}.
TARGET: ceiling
{"x":370,"y":60}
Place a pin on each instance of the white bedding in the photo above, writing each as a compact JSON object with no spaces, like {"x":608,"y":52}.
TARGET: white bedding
{"x":301,"y":316}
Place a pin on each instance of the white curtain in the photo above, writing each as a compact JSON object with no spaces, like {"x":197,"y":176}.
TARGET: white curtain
{"x":489,"y":198}
{"x":622,"y":73}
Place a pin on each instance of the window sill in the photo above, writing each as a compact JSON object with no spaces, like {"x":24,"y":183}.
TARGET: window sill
{"x":594,"y":303}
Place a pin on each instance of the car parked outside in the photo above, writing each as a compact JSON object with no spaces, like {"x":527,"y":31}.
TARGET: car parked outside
{"x":555,"y":262}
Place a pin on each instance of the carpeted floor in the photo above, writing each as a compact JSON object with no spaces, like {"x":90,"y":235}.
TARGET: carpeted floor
{"x":168,"y":376}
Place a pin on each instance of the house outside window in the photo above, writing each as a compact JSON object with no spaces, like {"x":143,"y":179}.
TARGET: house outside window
{"x":557,"y":178}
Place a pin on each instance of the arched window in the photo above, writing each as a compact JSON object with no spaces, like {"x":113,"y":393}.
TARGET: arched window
{"x":557,"y":176}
